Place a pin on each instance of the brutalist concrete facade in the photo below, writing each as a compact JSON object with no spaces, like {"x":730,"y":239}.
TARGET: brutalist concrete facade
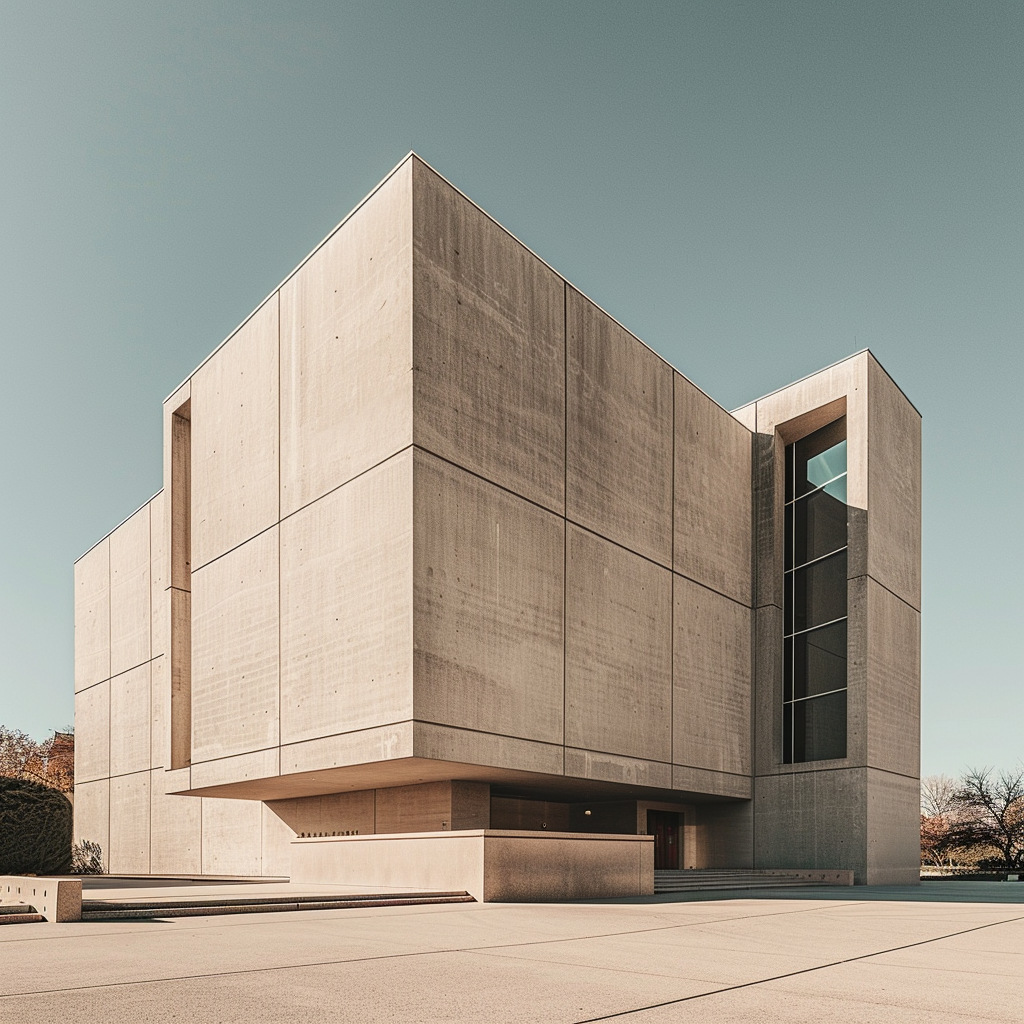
{"x":442,"y":546}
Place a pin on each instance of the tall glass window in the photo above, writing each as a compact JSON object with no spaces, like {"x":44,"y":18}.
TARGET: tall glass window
{"x":814,"y":683}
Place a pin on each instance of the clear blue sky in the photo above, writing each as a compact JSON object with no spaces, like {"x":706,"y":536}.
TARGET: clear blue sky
{"x":756,"y":189}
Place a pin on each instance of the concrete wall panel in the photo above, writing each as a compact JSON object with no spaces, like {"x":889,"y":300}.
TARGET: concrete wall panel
{"x":488,"y":604}
{"x":92,"y":616}
{"x":618,"y":650}
{"x":465,"y":746}
{"x":365,"y":746}
{"x":725,"y":835}
{"x":432,"y":807}
{"x":346,"y":607}
{"x":92,"y":814}
{"x":627,"y":771}
{"x":130,"y":721}
{"x":618,"y":433}
{"x":159,"y":724}
{"x":346,"y":349}
{"x":711,"y":711}
{"x":893,"y":683}
{"x":768,"y":671}
{"x":713,"y":501}
{"x":92,"y":733}
{"x":894,"y":488}
{"x":235,"y":690}
{"x":159,"y":577}
{"x":176,"y":825}
{"x":812,"y":819}
{"x":489,"y":338}
{"x":129,"y":824}
{"x":275,"y":844}
{"x":130,"y":596}
{"x":333,"y":814}
{"x":235,"y":438}
{"x":232,"y":837}
{"x":893,"y":833}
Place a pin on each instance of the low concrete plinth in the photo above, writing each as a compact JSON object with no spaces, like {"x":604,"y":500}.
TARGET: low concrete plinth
{"x":56,"y":899}
{"x":492,"y":865}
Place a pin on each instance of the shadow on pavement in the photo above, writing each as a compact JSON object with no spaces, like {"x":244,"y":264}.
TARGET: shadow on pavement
{"x":926,"y":892}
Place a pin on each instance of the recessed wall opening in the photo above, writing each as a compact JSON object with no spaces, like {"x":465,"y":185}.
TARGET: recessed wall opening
{"x":815,"y":597}
{"x":180,"y":511}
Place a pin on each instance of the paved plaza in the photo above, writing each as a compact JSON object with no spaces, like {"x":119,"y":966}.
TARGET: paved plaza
{"x":940,"y":952}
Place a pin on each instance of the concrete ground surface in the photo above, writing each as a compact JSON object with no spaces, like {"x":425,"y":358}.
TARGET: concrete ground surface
{"x":940,"y":952}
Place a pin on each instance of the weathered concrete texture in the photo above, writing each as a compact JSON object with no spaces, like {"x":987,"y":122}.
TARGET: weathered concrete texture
{"x":130,"y":717}
{"x":488,"y":606}
{"x":275,"y":844}
{"x":130,"y":618}
{"x":176,"y":825}
{"x":711,"y":708}
{"x":129,"y":824}
{"x":231,"y":836}
{"x":235,"y":438}
{"x":491,"y":865}
{"x":894,"y":683}
{"x":92,"y":733}
{"x":466,"y":746}
{"x":254,"y":764}
{"x":894,"y":488}
{"x":767,"y":695}
{"x":725,"y":835}
{"x":55,"y":899}
{"x":346,"y":606}
{"x":812,"y":819}
{"x":713,"y":503}
{"x":618,"y":768}
{"x":92,"y":616}
{"x":235,"y":651}
{"x":333,"y":813}
{"x":346,"y":348}
{"x":92,"y":813}
{"x":159,"y":577}
{"x":618,"y":650}
{"x":365,"y":746}
{"x":489,"y":340}
{"x":618,"y":433}
{"x":432,"y":807}
{"x":159,"y":710}
{"x":893,"y":831}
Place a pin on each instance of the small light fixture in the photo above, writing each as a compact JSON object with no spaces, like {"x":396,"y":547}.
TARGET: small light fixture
{"x":587,"y":813}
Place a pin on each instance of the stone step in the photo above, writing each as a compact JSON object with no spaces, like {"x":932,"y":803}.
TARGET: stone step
{"x":110,"y":910}
{"x":18,"y":913}
{"x":699,"y":880}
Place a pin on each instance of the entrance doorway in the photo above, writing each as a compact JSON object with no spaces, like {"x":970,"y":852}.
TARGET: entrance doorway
{"x":664,"y":826}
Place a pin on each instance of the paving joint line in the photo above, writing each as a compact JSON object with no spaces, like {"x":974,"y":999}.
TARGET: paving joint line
{"x":793,"y":974}
{"x":391,"y":956}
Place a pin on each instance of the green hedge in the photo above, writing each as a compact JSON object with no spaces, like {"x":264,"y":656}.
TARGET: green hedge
{"x":35,"y":829}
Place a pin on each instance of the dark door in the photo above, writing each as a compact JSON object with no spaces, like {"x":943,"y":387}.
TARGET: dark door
{"x":664,"y":826}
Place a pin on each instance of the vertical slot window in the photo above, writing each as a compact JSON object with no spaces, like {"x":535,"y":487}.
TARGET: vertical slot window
{"x":815,"y":598}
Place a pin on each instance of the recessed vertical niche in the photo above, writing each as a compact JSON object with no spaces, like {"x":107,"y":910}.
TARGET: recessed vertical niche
{"x":815,"y":597}
{"x":180,"y":505}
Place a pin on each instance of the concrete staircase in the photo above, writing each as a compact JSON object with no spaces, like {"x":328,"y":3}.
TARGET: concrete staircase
{"x":700,"y":879}
{"x":18,"y":913}
{"x":203,"y":906}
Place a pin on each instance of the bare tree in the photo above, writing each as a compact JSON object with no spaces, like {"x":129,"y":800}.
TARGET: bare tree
{"x":939,"y":797}
{"x":51,"y":762}
{"x":992,"y":814}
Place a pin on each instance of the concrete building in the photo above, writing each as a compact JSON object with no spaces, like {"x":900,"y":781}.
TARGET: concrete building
{"x":443,"y":548}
